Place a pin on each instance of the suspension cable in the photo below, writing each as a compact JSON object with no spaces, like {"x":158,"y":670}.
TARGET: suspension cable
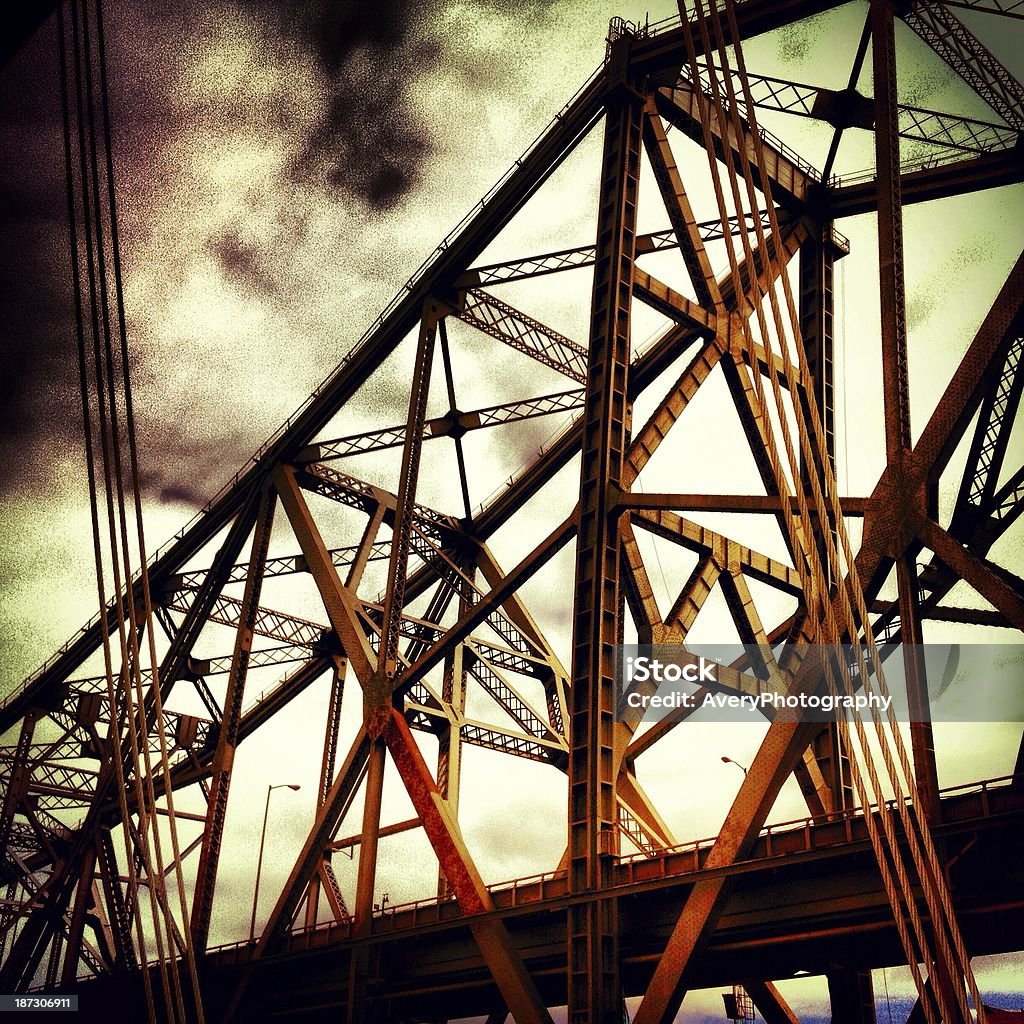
{"x":114,"y":725}
{"x":130,"y":707}
{"x":796,"y":536}
{"x":156,"y":683}
{"x":931,"y":875}
{"x":930,"y":882}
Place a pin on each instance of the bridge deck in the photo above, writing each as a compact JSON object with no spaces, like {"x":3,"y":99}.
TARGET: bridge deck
{"x":809,"y":897}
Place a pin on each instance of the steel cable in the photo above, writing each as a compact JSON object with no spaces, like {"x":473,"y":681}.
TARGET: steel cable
{"x":940,"y":891}
{"x":114,"y":727}
{"x":143,"y":846}
{"x":931,"y":896}
{"x":796,"y":537}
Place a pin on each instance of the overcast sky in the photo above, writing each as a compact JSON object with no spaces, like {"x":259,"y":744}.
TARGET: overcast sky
{"x":282,"y":170}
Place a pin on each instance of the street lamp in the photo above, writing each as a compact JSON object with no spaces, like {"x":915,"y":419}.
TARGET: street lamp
{"x":729,"y":760}
{"x":259,"y":861}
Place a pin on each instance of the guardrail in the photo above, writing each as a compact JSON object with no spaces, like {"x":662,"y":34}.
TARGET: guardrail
{"x":769,"y":833}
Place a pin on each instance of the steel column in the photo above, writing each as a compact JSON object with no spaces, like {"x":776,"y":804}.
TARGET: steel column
{"x":817,"y":328}
{"x":770,"y":1003}
{"x":680,"y":213}
{"x":594,"y":991}
{"x":896,"y":383}
{"x":852,"y":997}
{"x":357,"y":1009}
{"x":227,"y":738}
{"x":449,"y":742}
{"x":328,"y":765}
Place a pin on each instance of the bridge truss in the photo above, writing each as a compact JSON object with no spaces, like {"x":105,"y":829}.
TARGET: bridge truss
{"x":403,"y":609}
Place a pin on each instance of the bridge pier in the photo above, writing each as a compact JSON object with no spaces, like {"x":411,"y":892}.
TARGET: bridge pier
{"x":852,"y":995}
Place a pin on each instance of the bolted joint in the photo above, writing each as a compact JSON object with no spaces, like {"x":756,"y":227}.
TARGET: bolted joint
{"x":166,"y":593}
{"x":311,"y":453}
{"x":195,"y":667}
{"x":608,"y":843}
{"x":451,"y":424}
{"x":615,"y":498}
{"x":327,"y":644}
{"x":443,"y":303}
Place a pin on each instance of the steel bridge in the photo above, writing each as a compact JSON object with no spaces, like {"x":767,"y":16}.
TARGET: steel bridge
{"x":300,"y":574}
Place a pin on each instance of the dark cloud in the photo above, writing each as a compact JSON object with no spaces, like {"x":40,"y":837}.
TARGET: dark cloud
{"x":38,"y":365}
{"x":371,"y":140}
{"x":242,"y":262}
{"x":926,"y":298}
{"x":794,"y":43}
{"x":925,"y":82}
{"x":368,"y":146}
{"x":797,"y":40}
{"x":333,"y":86}
{"x":170,"y":492}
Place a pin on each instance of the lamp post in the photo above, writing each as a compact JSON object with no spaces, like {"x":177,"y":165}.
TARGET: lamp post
{"x":259,"y":860}
{"x":729,"y":760}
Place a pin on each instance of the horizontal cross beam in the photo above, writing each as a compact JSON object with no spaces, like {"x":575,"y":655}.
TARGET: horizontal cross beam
{"x":454,"y":424}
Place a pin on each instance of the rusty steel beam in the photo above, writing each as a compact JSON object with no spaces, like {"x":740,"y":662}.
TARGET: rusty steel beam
{"x":981,"y":575}
{"x":852,"y":997}
{"x":517,"y":988}
{"x":673,"y":304}
{"x":594,"y":988}
{"x":885,"y":537}
{"x":977,"y":494}
{"x":754,"y":17}
{"x":770,"y":504}
{"x":680,"y":213}
{"x":227,"y":737}
{"x":976,"y":374}
{"x":452,"y":425}
{"x":770,"y":1003}
{"x":896,"y":383}
{"x":1006,"y":8}
{"x":848,"y":109}
{"x":405,"y":508}
{"x":524,"y":333}
{"x":790,"y":177}
{"x":584,"y":255}
{"x":775,"y":760}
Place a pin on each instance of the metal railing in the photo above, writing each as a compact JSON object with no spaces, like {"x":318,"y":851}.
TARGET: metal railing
{"x":910,"y":166}
{"x":771,"y":832}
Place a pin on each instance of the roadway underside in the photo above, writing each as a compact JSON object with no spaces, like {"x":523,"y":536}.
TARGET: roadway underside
{"x":809,"y":900}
